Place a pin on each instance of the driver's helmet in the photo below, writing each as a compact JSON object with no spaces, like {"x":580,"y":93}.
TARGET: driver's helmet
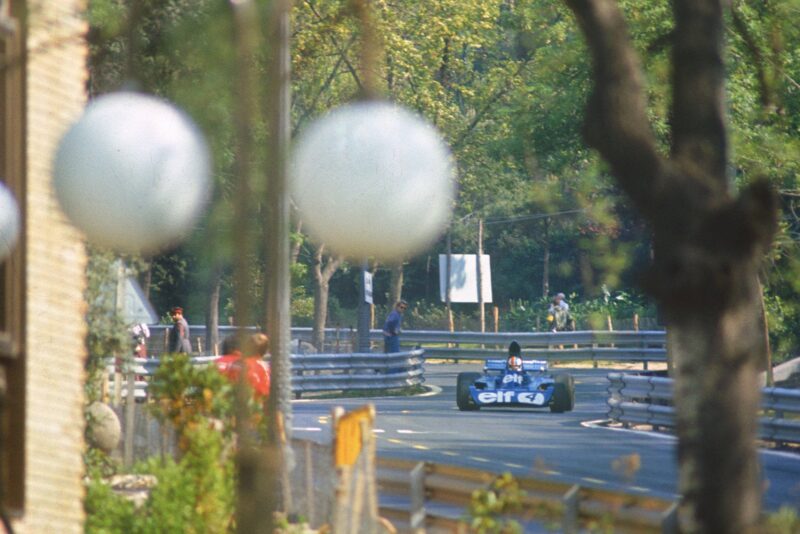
{"x":514,"y":363}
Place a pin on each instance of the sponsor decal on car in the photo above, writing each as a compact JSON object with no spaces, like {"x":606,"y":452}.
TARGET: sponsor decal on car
{"x":511,"y":397}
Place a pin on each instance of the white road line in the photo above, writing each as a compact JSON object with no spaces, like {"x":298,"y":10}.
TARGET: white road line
{"x":479,"y":459}
{"x":306,"y":429}
{"x":599,"y":424}
{"x":593,"y":480}
{"x":421,"y":447}
{"x":450,"y":453}
{"x":378,"y":431}
{"x":403,"y":431}
{"x":514,"y":466}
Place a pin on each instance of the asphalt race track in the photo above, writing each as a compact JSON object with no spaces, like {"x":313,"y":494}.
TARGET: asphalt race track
{"x":532,"y":442}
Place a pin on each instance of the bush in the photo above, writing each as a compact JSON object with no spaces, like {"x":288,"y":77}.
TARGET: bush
{"x":195,"y":493}
{"x":591,"y":314}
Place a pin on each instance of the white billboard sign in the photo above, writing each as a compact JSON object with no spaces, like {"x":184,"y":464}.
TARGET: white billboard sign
{"x":464,"y":278}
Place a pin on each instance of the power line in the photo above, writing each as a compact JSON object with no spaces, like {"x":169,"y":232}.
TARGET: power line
{"x":532,"y":216}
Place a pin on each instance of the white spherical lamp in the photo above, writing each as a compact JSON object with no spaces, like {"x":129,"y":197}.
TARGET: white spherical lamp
{"x":373,"y":180}
{"x":9,"y":222}
{"x":133,"y":173}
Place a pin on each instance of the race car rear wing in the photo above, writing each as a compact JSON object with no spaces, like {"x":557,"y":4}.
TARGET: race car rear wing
{"x":532,"y":366}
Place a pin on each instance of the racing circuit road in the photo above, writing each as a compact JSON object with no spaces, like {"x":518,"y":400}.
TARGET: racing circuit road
{"x":525,"y":442}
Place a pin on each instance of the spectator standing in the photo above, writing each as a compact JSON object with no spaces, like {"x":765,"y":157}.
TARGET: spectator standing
{"x":558,"y":314}
{"x":391,"y":328}
{"x":179,"y":335}
{"x":252,"y":358}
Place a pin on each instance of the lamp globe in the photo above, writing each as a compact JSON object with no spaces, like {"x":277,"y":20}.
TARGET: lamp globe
{"x":373,"y":180}
{"x":9,"y":222}
{"x":133,"y":173}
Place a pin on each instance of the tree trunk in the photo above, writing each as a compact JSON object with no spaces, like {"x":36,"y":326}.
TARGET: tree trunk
{"x":716,"y":399}
{"x":147,"y":280}
{"x":297,"y":244}
{"x":396,"y":284}
{"x":323,"y":272}
{"x":321,"y":291}
{"x":708,"y":244}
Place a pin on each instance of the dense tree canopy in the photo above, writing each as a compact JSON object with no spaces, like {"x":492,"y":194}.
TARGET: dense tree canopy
{"x":505,"y":83}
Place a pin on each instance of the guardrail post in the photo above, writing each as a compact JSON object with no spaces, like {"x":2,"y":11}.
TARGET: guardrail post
{"x":417,"y":513}
{"x":669,"y":520}
{"x":570,"y":502}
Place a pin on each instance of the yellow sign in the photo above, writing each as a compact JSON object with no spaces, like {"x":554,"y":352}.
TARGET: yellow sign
{"x":349,"y":438}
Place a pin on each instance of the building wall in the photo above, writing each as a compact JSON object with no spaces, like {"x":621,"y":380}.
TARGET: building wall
{"x":56,"y":266}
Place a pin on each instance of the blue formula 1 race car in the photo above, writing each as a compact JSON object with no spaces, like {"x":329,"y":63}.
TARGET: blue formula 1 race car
{"x":515,"y":382}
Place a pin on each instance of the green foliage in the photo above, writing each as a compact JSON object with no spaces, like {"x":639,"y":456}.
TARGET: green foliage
{"x":785,"y":521}
{"x":193,"y":495}
{"x":107,"y":333}
{"x":489,"y":508}
{"x":525,"y":316}
{"x":619,"y":305}
{"x":589,"y":314}
{"x":107,"y":512}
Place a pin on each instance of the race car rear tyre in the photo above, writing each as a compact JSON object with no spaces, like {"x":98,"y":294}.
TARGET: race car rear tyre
{"x":563,"y":394}
{"x":463,"y":398}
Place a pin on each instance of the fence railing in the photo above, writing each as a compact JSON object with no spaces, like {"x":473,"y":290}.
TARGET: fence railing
{"x":643,"y":400}
{"x":314,"y":372}
{"x":422,"y":495}
{"x":634,"y":346}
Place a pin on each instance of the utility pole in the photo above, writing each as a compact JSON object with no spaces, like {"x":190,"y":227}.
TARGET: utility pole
{"x":277,"y":281}
{"x":448,"y":263}
{"x":479,"y":271}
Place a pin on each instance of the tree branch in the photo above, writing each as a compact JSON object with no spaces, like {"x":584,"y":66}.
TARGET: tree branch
{"x":756,"y":54}
{"x":616,"y":118}
{"x":342,"y":53}
{"x":500,"y":93}
{"x":334,"y":71}
{"x":698,"y":116}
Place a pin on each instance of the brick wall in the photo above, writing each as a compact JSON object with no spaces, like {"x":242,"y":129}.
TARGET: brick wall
{"x":56,"y":264}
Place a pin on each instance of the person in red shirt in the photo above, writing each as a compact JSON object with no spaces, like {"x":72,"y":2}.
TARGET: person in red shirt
{"x":257,"y":369}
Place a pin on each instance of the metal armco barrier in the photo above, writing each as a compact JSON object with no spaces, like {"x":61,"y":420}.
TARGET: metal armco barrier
{"x":637,"y":399}
{"x":346,"y":372}
{"x":322,"y":372}
{"x":636,"y":346}
{"x":419,"y":496}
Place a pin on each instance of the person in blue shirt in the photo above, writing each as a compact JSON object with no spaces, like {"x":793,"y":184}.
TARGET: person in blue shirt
{"x":391,"y":328}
